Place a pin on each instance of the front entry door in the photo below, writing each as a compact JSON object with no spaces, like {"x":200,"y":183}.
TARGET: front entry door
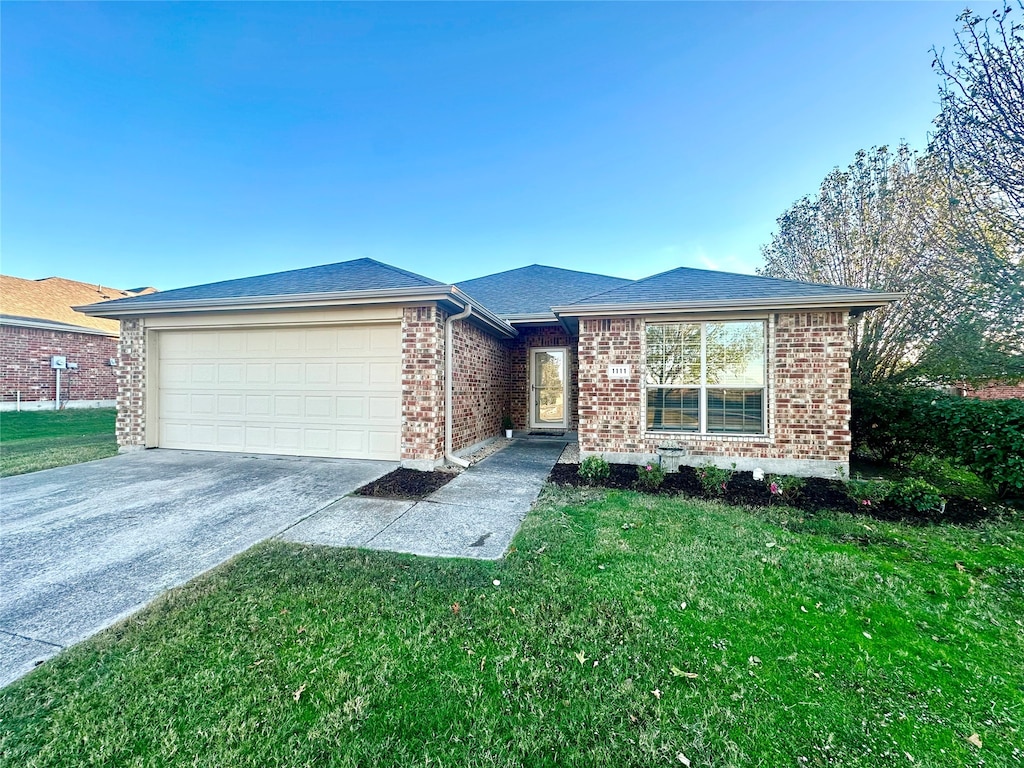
{"x":548,"y":388}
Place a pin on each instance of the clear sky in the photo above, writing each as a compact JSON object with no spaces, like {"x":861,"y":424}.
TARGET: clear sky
{"x":176,"y":144}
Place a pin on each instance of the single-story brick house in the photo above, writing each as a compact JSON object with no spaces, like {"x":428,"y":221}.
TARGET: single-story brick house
{"x":37,"y":323}
{"x":361,"y":359}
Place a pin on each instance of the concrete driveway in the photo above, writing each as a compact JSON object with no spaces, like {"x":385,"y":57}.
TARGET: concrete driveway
{"x":84,"y":546}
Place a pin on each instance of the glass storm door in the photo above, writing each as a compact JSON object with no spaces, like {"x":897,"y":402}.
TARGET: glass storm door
{"x":548,"y":388}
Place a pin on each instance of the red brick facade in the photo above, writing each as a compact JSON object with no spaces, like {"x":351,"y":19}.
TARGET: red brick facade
{"x":26,"y":365}
{"x":519,"y":386}
{"x":422,"y":383}
{"x":808,"y":398}
{"x":808,"y":389}
{"x":480,"y":385}
{"x":997,"y":391}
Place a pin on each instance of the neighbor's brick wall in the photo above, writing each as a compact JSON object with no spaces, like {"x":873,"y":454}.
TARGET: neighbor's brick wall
{"x":808,"y":392}
{"x":26,"y":368}
{"x":519,"y":388}
{"x":422,"y":383}
{"x":480,"y":385}
{"x":131,"y":385}
{"x":997,"y":391}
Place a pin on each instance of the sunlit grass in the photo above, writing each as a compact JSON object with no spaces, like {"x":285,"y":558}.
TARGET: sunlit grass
{"x":626,"y":630}
{"x":34,"y":440}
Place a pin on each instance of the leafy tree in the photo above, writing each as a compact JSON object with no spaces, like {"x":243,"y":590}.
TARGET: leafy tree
{"x":888,"y":223}
{"x":980,"y":129}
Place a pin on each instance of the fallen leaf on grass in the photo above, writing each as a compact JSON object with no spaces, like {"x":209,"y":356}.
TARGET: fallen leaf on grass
{"x":298,"y":694}
{"x":867,"y":635}
{"x":657,"y":694}
{"x":682,"y":758}
{"x":496,"y":582}
{"x":677,"y":672}
{"x":581,"y":657}
{"x":513,"y":610}
{"x":754,"y":660}
{"x":974,"y":739}
{"x":456,"y":608}
{"x":960,"y":567}
{"x":803,"y":609}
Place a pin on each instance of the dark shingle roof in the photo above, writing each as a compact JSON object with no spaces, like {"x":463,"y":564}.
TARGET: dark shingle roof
{"x":356,"y":275}
{"x":686,"y":284}
{"x":535,"y":289}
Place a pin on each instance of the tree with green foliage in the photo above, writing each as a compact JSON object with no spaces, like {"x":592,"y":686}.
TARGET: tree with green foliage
{"x":888,"y":222}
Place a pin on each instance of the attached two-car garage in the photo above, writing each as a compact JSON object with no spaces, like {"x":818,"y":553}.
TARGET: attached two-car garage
{"x":322,"y":390}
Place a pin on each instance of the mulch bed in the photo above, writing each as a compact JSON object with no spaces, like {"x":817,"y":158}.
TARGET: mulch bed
{"x":817,"y":494}
{"x":405,"y":484}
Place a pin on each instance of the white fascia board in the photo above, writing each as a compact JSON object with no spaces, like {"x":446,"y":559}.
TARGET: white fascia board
{"x":835,"y":301}
{"x":441,"y":293}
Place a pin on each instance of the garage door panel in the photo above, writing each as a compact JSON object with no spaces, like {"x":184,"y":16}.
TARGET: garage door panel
{"x":326,"y":391}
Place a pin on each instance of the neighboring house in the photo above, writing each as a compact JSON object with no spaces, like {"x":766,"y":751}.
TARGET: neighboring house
{"x":995,"y":390}
{"x":352,"y":360}
{"x":38,"y":322}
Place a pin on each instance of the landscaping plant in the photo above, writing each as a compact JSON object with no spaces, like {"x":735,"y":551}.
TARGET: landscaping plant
{"x":594,"y":470}
{"x":649,"y":477}
{"x":715,"y":480}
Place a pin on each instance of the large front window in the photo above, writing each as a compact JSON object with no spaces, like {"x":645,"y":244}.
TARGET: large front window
{"x":706,"y":377}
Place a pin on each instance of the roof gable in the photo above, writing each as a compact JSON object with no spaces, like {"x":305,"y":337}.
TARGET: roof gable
{"x":355,"y":275}
{"x":535,"y":289}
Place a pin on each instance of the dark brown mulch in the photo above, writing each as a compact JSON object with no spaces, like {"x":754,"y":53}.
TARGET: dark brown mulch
{"x":405,"y":484}
{"x":817,"y":494}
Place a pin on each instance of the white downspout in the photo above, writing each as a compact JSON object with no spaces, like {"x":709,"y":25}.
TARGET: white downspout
{"x":449,"y":354}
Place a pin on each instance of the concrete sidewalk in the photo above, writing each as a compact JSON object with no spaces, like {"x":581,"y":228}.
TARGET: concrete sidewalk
{"x":475,"y":515}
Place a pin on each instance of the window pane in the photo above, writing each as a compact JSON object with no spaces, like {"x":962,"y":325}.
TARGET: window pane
{"x":735,"y":354}
{"x":673,"y":409}
{"x":736,"y":410}
{"x":673,"y":353}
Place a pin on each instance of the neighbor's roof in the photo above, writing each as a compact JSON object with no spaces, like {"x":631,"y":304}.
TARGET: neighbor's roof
{"x":52,"y":299}
{"x":356,"y":275}
{"x":533,"y":290}
{"x":688,"y":287}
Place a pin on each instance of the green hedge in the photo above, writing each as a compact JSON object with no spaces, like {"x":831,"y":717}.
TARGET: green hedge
{"x":899,"y":423}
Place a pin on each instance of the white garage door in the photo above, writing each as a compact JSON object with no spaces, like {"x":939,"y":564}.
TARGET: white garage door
{"x":326,"y":391}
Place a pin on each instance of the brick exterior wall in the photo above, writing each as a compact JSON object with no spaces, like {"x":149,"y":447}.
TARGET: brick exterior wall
{"x":808,"y":398}
{"x":997,"y":391}
{"x":26,"y":365}
{"x":131,"y":386}
{"x":422,"y":383}
{"x":519,"y":384}
{"x":480,"y":385}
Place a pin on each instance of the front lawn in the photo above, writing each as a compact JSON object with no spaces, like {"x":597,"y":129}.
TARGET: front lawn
{"x":34,"y":440}
{"x":624,"y":630}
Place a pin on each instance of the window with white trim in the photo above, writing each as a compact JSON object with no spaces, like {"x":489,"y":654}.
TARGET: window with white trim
{"x":706,"y":377}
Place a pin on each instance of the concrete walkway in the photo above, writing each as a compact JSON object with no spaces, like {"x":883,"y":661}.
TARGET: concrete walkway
{"x":475,"y":515}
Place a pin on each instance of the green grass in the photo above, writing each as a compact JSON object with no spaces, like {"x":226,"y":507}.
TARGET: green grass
{"x":804,"y":641}
{"x":34,"y":440}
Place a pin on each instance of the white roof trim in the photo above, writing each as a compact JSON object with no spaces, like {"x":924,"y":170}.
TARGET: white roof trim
{"x":838,"y":300}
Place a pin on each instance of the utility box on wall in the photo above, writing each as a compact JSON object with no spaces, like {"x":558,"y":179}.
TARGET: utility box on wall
{"x":58,"y":362}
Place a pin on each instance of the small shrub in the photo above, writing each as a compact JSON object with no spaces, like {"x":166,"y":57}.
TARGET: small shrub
{"x":784,"y":488}
{"x":506,"y":422}
{"x":914,"y":495}
{"x":715,"y":480}
{"x":649,"y":477}
{"x":868,"y":493}
{"x":594,"y":470}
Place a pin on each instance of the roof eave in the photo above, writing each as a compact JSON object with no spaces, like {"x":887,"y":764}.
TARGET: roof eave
{"x":854,"y":302}
{"x":442,"y":293}
{"x":47,"y":325}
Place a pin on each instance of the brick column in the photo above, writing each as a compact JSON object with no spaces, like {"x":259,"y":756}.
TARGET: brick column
{"x":422,"y":387}
{"x":131,"y":386}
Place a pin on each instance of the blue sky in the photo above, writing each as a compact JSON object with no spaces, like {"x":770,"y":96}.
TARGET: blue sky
{"x":170,"y":145}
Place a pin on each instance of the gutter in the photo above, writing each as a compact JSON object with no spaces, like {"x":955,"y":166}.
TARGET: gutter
{"x":449,"y":354}
{"x":856,"y":301}
{"x":449,"y":294}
